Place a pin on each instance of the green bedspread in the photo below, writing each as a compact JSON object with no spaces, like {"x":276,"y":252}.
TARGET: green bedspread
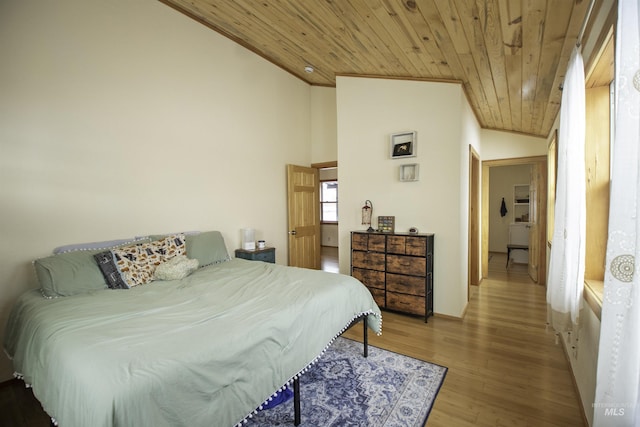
{"x":202,"y":351}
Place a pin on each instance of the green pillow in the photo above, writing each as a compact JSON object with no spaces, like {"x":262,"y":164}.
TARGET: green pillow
{"x":208,"y":248}
{"x":71,"y":273}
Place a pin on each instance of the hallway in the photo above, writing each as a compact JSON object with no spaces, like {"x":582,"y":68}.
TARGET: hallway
{"x":329,"y":259}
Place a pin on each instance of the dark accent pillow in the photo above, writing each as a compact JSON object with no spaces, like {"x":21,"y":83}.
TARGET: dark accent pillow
{"x":107,"y":265}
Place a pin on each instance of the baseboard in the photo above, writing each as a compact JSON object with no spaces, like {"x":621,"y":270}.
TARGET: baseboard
{"x":450,"y":317}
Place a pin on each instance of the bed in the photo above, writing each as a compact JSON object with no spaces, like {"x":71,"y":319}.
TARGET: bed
{"x":206,"y":349}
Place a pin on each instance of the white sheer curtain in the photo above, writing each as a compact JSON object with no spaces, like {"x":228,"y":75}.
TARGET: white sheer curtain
{"x":618,"y":381}
{"x":566,"y":266}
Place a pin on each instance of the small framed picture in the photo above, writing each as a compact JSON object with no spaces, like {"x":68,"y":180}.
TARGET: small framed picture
{"x":410,"y":172}
{"x":404,"y":144}
{"x":386,"y":224}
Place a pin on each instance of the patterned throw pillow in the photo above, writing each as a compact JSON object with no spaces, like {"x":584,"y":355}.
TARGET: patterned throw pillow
{"x":109,"y":270}
{"x":137,"y":263}
{"x":176,"y":268}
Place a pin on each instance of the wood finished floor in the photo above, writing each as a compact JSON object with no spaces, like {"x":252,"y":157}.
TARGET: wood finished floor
{"x":329,"y":259}
{"x":504,"y":367}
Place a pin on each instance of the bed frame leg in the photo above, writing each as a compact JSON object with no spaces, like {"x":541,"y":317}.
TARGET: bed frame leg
{"x":365,"y":337}
{"x":296,"y":401}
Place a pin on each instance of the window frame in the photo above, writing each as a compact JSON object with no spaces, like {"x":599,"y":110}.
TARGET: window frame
{"x":322,"y":203}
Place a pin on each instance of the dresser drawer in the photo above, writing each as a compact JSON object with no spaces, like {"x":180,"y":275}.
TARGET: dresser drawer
{"x":411,"y":285}
{"x":396,"y":244}
{"x":369,"y":260}
{"x":359,"y":241}
{"x":368,"y":242}
{"x":416,"y":246}
{"x":266,"y":257}
{"x":371,"y":278}
{"x":407,"y":245}
{"x":266,"y":254}
{"x":405,"y":303}
{"x":407,"y":265}
{"x":377,"y":242}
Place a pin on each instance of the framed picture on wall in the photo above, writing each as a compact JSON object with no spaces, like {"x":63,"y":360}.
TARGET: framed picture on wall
{"x":410,"y":172}
{"x":403,"y":144}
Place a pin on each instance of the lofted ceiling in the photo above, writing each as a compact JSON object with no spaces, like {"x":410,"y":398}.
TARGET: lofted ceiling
{"x":509,"y":55}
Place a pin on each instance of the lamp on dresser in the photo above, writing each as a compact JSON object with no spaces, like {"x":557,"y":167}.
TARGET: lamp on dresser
{"x":367,"y":214}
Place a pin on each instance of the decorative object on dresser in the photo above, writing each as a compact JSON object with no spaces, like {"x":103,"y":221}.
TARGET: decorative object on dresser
{"x":397,"y":268}
{"x":386,"y":224}
{"x":265,"y":254}
{"x":367,"y":214}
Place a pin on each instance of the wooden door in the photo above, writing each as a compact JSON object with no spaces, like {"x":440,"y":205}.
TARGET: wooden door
{"x":537,"y":222}
{"x":303,"y":206}
{"x":533,"y":227}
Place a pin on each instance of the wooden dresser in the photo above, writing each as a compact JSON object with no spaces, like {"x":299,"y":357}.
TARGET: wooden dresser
{"x":397,"y":268}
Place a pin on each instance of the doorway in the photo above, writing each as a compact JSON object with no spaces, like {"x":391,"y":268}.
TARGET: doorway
{"x":509,"y":211}
{"x":474,"y":277}
{"x":536,"y":214}
{"x":328,"y":177}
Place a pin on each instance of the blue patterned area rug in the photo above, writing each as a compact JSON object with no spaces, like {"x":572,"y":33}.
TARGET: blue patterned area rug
{"x":344,"y":388}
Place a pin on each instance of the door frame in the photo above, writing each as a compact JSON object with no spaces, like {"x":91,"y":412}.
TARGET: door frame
{"x":541,"y":212}
{"x":319,"y":166}
{"x":474,"y":277}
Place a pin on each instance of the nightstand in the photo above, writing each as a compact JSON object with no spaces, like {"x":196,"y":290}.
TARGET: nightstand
{"x":266,"y":254}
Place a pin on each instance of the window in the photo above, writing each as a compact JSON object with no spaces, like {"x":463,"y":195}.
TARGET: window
{"x":598,"y":139}
{"x":329,"y":201}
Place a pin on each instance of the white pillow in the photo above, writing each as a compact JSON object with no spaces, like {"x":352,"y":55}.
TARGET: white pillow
{"x":176,"y":268}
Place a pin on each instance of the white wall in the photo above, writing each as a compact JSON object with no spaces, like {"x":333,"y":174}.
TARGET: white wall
{"x":324,"y":147}
{"x":471,"y":131}
{"x":369,"y":110}
{"x":506,"y":145}
{"x":501,"y":182}
{"x":124,"y":118}
{"x":330,"y":236}
{"x":471,"y":136}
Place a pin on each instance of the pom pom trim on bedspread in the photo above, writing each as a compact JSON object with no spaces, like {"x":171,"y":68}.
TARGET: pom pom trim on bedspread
{"x":304,"y":370}
{"x":289,"y":383}
{"x":19,"y":376}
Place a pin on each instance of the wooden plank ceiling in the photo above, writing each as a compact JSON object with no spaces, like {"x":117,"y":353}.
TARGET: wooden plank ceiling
{"x":509,"y":55}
